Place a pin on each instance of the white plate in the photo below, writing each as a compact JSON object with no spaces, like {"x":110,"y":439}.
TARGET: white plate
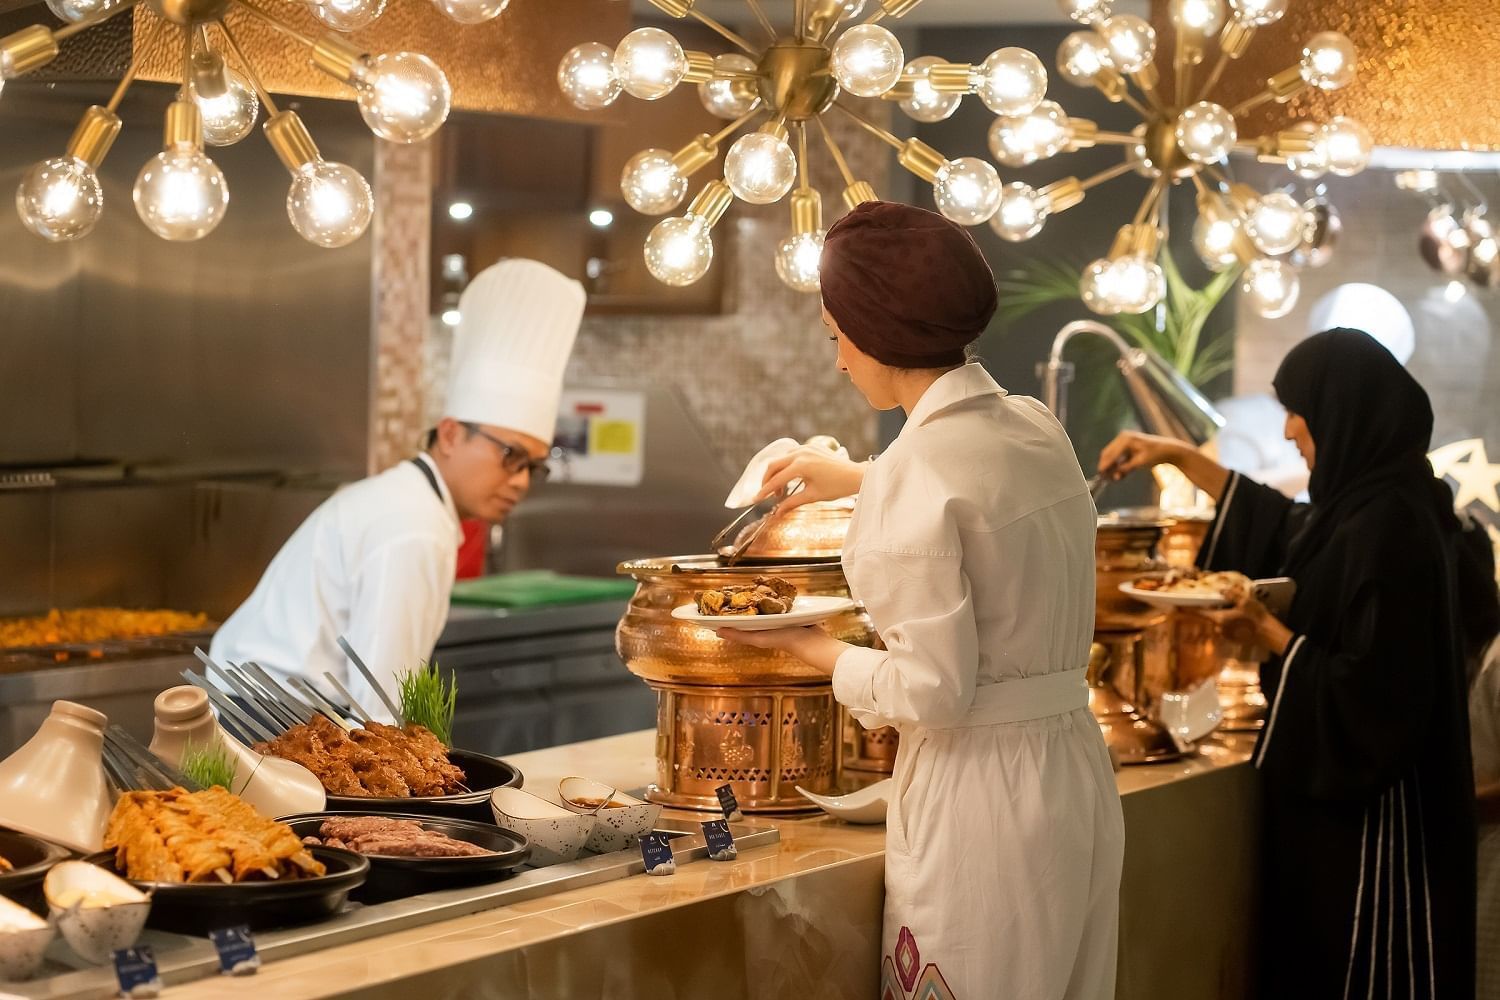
{"x":805,"y":611}
{"x":1158,"y":599}
{"x":867,"y":805}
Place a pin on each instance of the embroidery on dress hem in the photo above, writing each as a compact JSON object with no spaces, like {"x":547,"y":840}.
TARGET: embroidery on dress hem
{"x":933,"y":986}
{"x":890,"y":985}
{"x":908,"y":959}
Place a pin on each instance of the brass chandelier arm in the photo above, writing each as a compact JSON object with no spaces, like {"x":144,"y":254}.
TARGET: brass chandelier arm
{"x":249,"y":68}
{"x":1150,"y":203}
{"x":720,"y":30}
{"x":1106,"y":175}
{"x":1220,"y":64}
{"x":124,"y":85}
{"x":760,"y":15}
{"x":1136,"y":105}
{"x":802,"y":156}
{"x":1115,"y":138}
{"x":892,"y":8}
{"x":735,"y":126}
{"x":799,"y":19}
{"x":870,"y":127}
{"x":836,"y":153}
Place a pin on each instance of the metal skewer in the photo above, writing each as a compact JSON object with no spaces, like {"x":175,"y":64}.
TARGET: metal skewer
{"x":370,"y":679}
{"x":142,"y":759}
{"x":255,"y":706}
{"x":322,"y":704}
{"x":273,"y":687}
{"x":361,"y":715}
{"x":266,"y":706}
{"x":225,"y":704}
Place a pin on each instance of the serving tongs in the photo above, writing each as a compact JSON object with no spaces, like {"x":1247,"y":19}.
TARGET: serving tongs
{"x":732,"y":543}
{"x":132,"y":766}
{"x":370,"y":680}
{"x":1097,"y":482}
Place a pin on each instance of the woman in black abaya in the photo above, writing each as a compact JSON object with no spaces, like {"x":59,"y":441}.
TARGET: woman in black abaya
{"x":1369,"y":841}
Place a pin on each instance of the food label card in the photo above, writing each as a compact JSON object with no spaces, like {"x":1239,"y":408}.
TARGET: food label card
{"x":727,"y":801}
{"x":135,"y":968}
{"x":656,"y":850}
{"x":236,"y":950}
{"x":720,"y":840}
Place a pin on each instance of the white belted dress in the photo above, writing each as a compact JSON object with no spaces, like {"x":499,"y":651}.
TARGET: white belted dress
{"x":972,"y":547}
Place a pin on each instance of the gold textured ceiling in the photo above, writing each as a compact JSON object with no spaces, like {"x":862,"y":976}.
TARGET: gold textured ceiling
{"x":1428,"y":75}
{"x":508,"y":65}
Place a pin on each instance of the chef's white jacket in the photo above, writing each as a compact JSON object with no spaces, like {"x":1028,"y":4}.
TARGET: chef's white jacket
{"x":375,"y":563}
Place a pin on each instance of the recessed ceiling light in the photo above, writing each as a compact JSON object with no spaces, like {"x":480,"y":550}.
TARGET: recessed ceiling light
{"x":602,"y":218}
{"x":451,"y":317}
{"x":460,"y":210}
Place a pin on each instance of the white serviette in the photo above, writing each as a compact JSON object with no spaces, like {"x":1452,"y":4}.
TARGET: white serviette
{"x":754,"y":477}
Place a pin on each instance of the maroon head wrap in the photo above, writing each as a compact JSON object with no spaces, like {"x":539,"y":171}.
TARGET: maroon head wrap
{"x":907,"y":286}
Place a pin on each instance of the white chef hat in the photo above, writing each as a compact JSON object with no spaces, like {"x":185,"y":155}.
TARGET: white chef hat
{"x":519,"y":319}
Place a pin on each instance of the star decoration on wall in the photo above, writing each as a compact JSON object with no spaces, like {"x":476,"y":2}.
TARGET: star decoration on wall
{"x":1468,"y":464}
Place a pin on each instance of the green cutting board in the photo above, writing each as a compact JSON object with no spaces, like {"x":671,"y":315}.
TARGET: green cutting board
{"x":539,"y":588}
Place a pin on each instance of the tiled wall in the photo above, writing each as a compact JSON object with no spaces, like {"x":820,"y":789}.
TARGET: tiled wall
{"x":1457,"y":355}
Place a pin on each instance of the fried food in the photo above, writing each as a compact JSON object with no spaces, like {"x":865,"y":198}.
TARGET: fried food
{"x":207,"y":836}
{"x":1195,"y":582}
{"x":377,"y":761}
{"x":77,"y":625}
{"x":768,"y":595}
{"x":5,"y":866}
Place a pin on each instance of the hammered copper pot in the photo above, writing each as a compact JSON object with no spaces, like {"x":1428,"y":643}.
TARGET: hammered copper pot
{"x":810,"y":533}
{"x":1124,"y":549}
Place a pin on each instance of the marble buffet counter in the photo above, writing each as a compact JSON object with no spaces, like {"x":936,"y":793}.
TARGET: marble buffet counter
{"x":799,"y":917}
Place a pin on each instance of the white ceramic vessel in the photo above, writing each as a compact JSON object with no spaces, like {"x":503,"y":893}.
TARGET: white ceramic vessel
{"x":868,"y":805}
{"x":273,"y":786}
{"x":54,"y":787}
{"x":97,"y":912}
{"x":619,"y":825}
{"x":807,"y":610}
{"x":556,"y":834}
{"x":24,"y":937}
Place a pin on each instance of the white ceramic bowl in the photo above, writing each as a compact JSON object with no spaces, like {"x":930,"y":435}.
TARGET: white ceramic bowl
{"x":868,"y":805}
{"x":556,"y":834}
{"x":24,"y":936}
{"x":97,"y":912}
{"x":620,"y":824}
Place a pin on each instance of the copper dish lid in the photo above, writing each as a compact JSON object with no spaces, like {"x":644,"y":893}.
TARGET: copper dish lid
{"x":811,"y":533}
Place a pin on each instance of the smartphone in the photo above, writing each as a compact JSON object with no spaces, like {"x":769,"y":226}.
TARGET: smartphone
{"x":1276,"y":594}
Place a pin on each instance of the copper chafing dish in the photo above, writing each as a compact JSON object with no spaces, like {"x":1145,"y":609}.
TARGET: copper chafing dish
{"x":813,"y":532}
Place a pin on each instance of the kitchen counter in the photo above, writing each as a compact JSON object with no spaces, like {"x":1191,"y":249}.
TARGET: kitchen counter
{"x":800,"y":917}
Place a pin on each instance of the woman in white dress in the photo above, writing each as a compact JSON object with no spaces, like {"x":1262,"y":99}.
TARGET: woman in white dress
{"x":972,"y":547}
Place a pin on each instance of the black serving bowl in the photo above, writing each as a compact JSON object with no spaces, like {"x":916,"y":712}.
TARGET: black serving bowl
{"x":482,"y":773}
{"x":394,"y":877}
{"x":200,"y":907}
{"x":30,"y":858}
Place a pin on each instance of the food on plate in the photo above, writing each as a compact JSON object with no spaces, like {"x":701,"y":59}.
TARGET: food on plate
{"x":377,"y":761}
{"x":5,"y":866}
{"x":207,"y":836}
{"x":94,"y":625}
{"x":768,"y":595}
{"x":396,"y":838}
{"x":1194,"y":582}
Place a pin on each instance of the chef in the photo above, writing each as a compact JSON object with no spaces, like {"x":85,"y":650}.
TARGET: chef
{"x":375,"y":562}
{"x":972,"y":548}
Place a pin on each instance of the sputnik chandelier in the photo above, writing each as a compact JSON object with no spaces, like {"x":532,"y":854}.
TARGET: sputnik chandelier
{"x":1184,"y":135}
{"x":180,"y":193}
{"x":790,"y":82}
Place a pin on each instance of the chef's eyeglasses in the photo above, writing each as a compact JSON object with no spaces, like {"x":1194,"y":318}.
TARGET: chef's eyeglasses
{"x":513,"y":458}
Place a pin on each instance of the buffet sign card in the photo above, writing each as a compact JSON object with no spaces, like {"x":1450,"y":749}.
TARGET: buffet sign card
{"x":656,"y":851}
{"x":602,"y":436}
{"x":135,"y":969}
{"x":727,"y":801}
{"x":236,"y":950}
{"x":720,"y":840}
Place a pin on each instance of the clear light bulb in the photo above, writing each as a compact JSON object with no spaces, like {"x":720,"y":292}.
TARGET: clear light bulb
{"x":1017,"y":141}
{"x":1206,"y":132}
{"x":650,"y":63}
{"x":329,"y":204}
{"x":926,"y":103}
{"x":1270,"y":287}
{"x":867,"y":60}
{"x":1320,"y":236}
{"x":1131,"y":41}
{"x":1012,"y":81}
{"x":1021,"y":214}
{"x":1276,"y":223}
{"x":798,"y":259}
{"x":1258,"y":12}
{"x":1201,"y":17}
{"x":180,"y":194}
{"x":730,"y":99}
{"x":1214,"y":239}
{"x":679,"y":251}
{"x":348,"y":15}
{"x":1094,"y":287}
{"x":1346,"y":145}
{"x":403,"y":96}
{"x":231,"y":116}
{"x":74,"y":11}
{"x":60,"y":199}
{"x":651,"y":183}
{"x":1135,"y":283}
{"x":1086,"y":11}
{"x":1136,"y":155}
{"x":1082,"y":56}
{"x":586,"y":76}
{"x":1312,"y":163}
{"x":1328,"y":60}
{"x":760,"y":168}
{"x":471,"y":11}
{"x":967,"y":190}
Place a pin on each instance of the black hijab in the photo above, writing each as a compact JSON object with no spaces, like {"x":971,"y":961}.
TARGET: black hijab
{"x":1371,"y":425}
